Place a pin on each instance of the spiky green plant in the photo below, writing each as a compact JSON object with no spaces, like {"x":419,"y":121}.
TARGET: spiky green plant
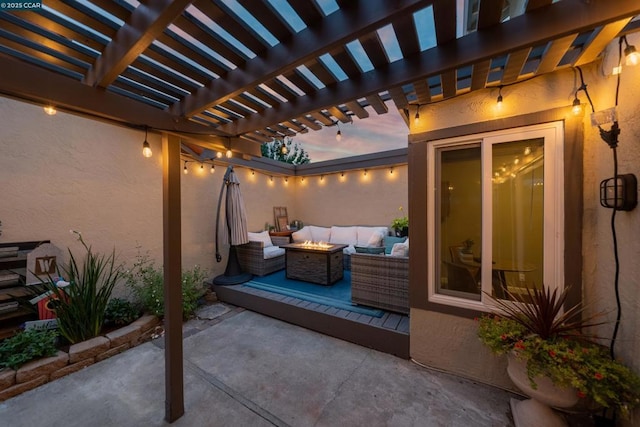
{"x":80,"y":306}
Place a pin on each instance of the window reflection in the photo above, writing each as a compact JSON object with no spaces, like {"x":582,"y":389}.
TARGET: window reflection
{"x":517,"y":192}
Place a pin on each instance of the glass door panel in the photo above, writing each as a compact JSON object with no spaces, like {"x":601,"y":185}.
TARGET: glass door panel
{"x":518,"y":216}
{"x":459,"y":221}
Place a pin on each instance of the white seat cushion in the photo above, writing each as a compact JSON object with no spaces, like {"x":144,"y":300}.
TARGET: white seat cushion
{"x":343,"y":235}
{"x":349,"y":250}
{"x":400,"y":249}
{"x":263,"y":237}
{"x":272,"y":252}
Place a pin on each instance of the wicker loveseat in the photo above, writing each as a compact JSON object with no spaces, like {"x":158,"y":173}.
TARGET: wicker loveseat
{"x":252,"y":257}
{"x":380,"y":281}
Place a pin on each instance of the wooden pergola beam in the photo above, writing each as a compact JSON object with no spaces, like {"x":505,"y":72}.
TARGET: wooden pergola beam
{"x":531,"y":29}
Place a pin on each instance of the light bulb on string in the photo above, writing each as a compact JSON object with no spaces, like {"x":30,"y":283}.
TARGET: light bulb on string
{"x":632,"y":57}
{"x":576,"y":108}
{"x":146,"y":148}
{"x":213,"y":168}
{"x":185,"y":170}
{"x":50,"y":110}
{"x":416,"y":118}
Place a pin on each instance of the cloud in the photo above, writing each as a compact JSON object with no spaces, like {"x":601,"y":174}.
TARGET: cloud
{"x":371,"y":135}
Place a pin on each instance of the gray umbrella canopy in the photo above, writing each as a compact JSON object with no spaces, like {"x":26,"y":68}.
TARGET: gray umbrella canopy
{"x":235,"y":212}
{"x":234,"y":231}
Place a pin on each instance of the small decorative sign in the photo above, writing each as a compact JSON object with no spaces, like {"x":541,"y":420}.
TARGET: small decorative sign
{"x":42,"y":262}
{"x":41,"y":324}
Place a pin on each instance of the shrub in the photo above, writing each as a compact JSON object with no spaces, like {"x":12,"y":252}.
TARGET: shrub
{"x":81,"y":305}
{"x":26,"y":346}
{"x":147,"y":283}
{"x":120,"y":312}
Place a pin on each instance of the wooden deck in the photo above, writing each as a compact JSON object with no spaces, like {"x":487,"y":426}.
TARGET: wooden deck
{"x":389,"y":333}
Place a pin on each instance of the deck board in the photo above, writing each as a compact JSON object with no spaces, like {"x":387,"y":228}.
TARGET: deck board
{"x":389,"y":333}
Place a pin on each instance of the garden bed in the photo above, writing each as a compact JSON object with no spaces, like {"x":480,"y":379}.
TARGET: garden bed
{"x":40,"y":371}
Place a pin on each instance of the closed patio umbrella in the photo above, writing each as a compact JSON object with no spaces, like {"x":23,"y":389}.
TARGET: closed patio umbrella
{"x":235,"y":230}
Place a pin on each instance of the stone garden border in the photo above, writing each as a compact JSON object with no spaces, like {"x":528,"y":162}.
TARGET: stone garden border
{"x":40,"y":371}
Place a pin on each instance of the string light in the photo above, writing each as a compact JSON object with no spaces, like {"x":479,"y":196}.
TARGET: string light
{"x":146,"y":148}
{"x":213,"y":168}
{"x":201,"y":167}
{"x":499,"y":99}
{"x":219,"y":154}
{"x":321,"y":177}
{"x":416,"y":118}
{"x":253,"y":172}
{"x":185,"y":170}
{"x":339,"y":133}
{"x":577,"y":107}
{"x":286,"y":179}
{"x":50,"y":110}
{"x":632,"y":57}
{"x":391,"y":171}
{"x":365,"y":172}
{"x":229,"y":154}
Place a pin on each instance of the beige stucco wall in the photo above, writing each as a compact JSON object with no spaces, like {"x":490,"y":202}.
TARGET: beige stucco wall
{"x":355,"y":198}
{"x":450,"y":343}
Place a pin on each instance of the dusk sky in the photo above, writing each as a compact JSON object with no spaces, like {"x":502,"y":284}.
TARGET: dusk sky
{"x":376,"y":133}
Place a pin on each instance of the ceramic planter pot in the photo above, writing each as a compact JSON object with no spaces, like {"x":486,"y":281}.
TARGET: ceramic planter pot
{"x":537,"y":410}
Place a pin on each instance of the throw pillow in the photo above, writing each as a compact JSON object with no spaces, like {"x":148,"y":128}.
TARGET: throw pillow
{"x":302,"y":235}
{"x":389,"y":241}
{"x":263,"y":237}
{"x":400,"y":250}
{"x":376,"y":238}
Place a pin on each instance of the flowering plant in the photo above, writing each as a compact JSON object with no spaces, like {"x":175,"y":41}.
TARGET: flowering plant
{"x":551,"y":344}
{"x":400,"y":222}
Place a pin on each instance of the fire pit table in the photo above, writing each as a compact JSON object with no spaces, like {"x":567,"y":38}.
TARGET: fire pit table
{"x":319,"y":263}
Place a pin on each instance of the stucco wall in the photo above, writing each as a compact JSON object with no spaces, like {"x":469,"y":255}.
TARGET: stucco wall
{"x":448,"y":343}
{"x":355,"y":199}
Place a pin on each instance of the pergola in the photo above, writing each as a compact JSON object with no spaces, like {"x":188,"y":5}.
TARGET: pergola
{"x":231,"y":74}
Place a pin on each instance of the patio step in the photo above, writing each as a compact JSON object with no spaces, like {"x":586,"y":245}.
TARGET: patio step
{"x":389,"y":333}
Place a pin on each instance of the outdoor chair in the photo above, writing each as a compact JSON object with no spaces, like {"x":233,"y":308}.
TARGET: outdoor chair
{"x":252,"y":257}
{"x":380,"y":281}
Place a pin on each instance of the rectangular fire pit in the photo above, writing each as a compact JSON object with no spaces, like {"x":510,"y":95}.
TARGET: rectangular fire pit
{"x":315,"y":263}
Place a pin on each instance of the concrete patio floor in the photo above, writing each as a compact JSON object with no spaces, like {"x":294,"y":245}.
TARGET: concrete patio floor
{"x":245,"y":369}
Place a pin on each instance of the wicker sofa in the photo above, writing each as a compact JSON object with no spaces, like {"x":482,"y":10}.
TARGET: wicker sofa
{"x":351,"y":236}
{"x":252,"y":257}
{"x":380,"y":281}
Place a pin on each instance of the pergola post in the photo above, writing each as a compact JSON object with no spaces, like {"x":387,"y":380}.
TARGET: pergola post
{"x":174,"y":380}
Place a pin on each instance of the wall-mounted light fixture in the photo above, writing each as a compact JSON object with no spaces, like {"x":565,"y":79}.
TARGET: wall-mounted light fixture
{"x":50,"y":110}
{"x":146,"y":148}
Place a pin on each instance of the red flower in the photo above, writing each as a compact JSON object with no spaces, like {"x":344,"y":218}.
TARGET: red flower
{"x":581,"y":394}
{"x":503,"y":337}
{"x":519,"y":345}
{"x":598,"y":376}
{"x":552,"y":353}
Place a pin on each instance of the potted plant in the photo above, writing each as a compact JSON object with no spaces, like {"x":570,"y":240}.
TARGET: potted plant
{"x":546,"y":345}
{"x":401,"y":225}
